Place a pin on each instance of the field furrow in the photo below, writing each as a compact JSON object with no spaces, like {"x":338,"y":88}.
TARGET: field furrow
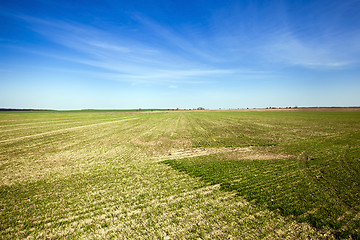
{"x":45,"y":133}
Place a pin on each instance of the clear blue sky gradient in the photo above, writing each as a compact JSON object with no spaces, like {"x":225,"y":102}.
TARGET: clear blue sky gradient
{"x":179,"y":54}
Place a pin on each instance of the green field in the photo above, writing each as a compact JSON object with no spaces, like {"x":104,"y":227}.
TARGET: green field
{"x":183,"y":175}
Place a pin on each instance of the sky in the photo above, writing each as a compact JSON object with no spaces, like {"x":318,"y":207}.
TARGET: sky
{"x":107,"y":54}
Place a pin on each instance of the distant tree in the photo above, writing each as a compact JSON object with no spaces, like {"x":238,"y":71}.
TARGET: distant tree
{"x":200,"y":108}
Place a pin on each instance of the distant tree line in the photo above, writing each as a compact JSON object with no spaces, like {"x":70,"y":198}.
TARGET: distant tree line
{"x":19,"y":109}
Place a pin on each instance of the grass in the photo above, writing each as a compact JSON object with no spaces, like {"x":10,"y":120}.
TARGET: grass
{"x":244,"y":175}
{"x":320,"y":184}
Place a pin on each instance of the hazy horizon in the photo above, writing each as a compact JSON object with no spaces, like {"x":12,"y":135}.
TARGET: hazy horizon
{"x":176,"y":54}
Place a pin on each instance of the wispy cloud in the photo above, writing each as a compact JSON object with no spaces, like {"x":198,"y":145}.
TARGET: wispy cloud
{"x":285,"y":48}
{"x":187,"y":44}
{"x":318,"y":42}
{"x":174,"y":57}
{"x":131,"y":60}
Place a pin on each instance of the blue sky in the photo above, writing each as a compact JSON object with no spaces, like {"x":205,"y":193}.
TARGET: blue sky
{"x":179,"y":54}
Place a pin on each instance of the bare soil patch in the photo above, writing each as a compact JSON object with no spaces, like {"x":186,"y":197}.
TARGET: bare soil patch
{"x":235,"y":153}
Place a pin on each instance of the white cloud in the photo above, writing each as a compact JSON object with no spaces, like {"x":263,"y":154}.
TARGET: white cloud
{"x":109,"y":46}
{"x":287,"y":49}
{"x":123,"y":59}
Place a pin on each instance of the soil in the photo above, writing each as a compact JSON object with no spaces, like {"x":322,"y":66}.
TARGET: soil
{"x":236,"y":153}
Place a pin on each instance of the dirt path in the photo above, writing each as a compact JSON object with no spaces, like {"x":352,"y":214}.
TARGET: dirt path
{"x":249,"y":153}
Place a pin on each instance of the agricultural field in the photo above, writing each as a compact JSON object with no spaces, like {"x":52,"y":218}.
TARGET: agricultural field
{"x":180,"y":175}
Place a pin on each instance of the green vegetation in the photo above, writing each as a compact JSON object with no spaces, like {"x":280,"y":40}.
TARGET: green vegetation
{"x":320,"y":184}
{"x":101,"y":175}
